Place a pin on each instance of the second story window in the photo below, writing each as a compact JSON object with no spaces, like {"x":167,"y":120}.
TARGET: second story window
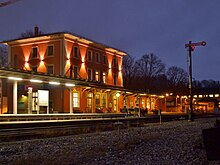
{"x":104,"y":59}
{"x":34,"y":52}
{"x":114,"y":62}
{"x":50,"y":51}
{"x":50,"y":69}
{"x":89,"y":56}
{"x":104,"y":77}
{"x":90,"y":74}
{"x":75,"y":51}
{"x":97,"y":76}
{"x":97,"y":57}
{"x":75,"y":71}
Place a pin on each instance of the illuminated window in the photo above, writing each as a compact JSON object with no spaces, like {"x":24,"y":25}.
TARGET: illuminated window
{"x":34,"y":68}
{"x":97,"y":100}
{"x":115,"y":103}
{"x":76,"y":51}
{"x":34,"y":52}
{"x":104,"y":77}
{"x":115,"y":79}
{"x":76,"y":100}
{"x":97,"y":77}
{"x":89,"y":56}
{"x":104,"y":59}
{"x":97,"y":57}
{"x":104,"y":100}
{"x":89,"y":74}
{"x":50,"y":69}
{"x":89,"y":102}
{"x":50,"y":51}
{"x":75,"y":71}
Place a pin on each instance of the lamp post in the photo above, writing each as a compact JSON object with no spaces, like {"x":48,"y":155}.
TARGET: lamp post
{"x":191,"y":46}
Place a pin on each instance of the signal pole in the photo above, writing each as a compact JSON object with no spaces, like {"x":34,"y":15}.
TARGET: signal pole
{"x":191,"y":46}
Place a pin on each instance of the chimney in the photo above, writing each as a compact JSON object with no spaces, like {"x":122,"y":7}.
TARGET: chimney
{"x":36,"y":30}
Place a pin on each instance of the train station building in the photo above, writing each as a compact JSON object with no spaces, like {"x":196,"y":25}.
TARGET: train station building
{"x":66,"y":73}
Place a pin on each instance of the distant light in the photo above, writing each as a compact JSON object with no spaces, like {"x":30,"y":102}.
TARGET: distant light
{"x":15,"y":78}
{"x":54,"y":83}
{"x":211,"y":95}
{"x":70,"y":85}
{"x":216,"y":95}
{"x":36,"y":81}
{"x":200,"y":96}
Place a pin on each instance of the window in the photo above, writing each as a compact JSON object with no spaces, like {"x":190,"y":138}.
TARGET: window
{"x":76,"y":51}
{"x":34,"y":68}
{"x":89,"y":102}
{"x":50,"y":50}
{"x":115,"y":103}
{"x":97,"y":57}
{"x":89,"y":55}
{"x":114,"y":62}
{"x":104,"y":100}
{"x":97,"y":100}
{"x":89,"y":74}
{"x":104,"y":77}
{"x":75,"y":71}
{"x":104,"y":60}
{"x":50,"y":69}
{"x":97,"y":77}
{"x":115,"y":79}
{"x":34,"y":52}
{"x":76,"y":100}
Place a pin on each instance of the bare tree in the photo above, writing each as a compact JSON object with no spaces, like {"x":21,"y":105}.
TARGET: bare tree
{"x":177,"y":78}
{"x":150,"y":66}
{"x":129,"y":73}
{"x":177,"y":75}
{"x":3,"y":55}
{"x":31,"y":33}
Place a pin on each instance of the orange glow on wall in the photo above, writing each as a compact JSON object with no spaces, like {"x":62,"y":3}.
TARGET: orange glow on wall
{"x":69,"y":47}
{"x":26,"y":66}
{"x":120,"y":79}
{"x":83,"y":72}
{"x":120,"y":64}
{"x":26,"y":52}
{"x":83,"y":51}
{"x":42,"y":51}
{"x":42,"y":67}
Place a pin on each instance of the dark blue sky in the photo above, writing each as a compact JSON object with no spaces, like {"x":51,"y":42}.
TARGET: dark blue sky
{"x":134,"y":26}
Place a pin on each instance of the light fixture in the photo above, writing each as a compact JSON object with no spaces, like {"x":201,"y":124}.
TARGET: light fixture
{"x":15,"y":78}
{"x":117,"y":94}
{"x":69,"y":85}
{"x":36,"y":81}
{"x":54,"y":83}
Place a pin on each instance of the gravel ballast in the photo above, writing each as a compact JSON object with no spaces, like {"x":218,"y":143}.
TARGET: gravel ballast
{"x":177,"y":142}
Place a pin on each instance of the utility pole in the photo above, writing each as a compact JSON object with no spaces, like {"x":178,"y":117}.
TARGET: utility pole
{"x":191,"y":47}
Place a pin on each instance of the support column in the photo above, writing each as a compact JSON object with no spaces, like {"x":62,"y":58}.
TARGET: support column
{"x":71,"y":100}
{"x":15,"y":92}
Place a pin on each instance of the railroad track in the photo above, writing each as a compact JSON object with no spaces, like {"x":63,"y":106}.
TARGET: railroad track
{"x":44,"y":129}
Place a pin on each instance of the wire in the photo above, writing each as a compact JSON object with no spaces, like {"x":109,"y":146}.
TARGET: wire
{"x":3,"y":4}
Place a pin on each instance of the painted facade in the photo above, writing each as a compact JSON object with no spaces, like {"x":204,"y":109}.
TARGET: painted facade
{"x":66,"y":55}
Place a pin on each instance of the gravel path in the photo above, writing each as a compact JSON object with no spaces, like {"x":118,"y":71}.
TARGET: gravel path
{"x":172,"y":143}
